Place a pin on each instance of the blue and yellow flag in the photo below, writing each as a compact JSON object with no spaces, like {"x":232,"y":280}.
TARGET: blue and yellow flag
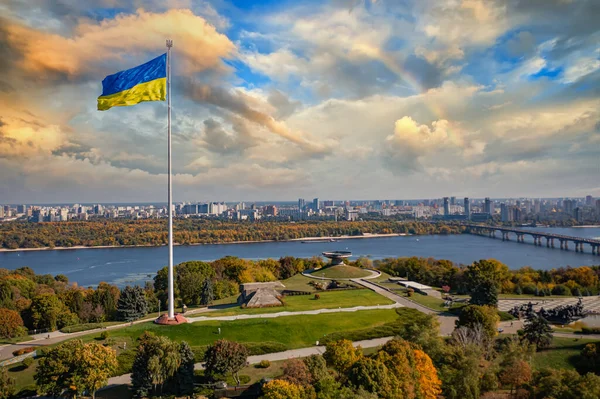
{"x":147,"y":82}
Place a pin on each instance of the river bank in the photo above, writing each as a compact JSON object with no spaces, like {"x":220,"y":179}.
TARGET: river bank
{"x":336,"y":238}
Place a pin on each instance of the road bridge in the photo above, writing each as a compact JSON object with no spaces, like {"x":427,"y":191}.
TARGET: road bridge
{"x":551,"y":238}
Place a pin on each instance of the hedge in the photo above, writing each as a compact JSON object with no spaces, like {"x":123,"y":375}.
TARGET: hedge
{"x":80,"y":327}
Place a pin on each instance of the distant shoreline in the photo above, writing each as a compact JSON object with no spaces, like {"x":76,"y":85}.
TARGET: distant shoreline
{"x":201,"y":243}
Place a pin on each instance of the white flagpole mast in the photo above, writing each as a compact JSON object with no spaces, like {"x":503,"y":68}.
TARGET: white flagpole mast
{"x":171,"y":295}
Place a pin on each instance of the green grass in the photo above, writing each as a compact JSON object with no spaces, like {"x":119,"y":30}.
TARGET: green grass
{"x":23,"y":376}
{"x":299,"y":283}
{"x":293,"y":332}
{"x":328,"y":300}
{"x":16,"y":340}
{"x":562,"y":354}
{"x":341,"y":271}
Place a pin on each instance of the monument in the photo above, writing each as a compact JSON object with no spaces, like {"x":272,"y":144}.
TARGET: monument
{"x":337,"y":257}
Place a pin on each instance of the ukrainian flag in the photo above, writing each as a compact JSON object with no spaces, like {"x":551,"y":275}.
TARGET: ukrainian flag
{"x":147,"y":82}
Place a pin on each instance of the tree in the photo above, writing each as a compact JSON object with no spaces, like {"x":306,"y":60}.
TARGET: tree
{"x":564,"y":384}
{"x":225,"y":357}
{"x":461,"y":372}
{"x":11,"y":324}
{"x":44,"y":310}
{"x":486,"y":316}
{"x":341,"y":355}
{"x":95,"y":364}
{"x":484,"y":279}
{"x":280,"y":389}
{"x":429,"y":383}
{"x":296,"y":371}
{"x":317,"y":367}
{"x":132,"y":304}
{"x":156,"y":361}
{"x":207,"y":296}
{"x":75,"y":368}
{"x":515,"y":374}
{"x":7,"y":384}
{"x":372,"y":375}
{"x":537,"y":331}
{"x":185,"y":373}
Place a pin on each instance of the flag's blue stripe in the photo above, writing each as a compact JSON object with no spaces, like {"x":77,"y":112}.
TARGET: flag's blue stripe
{"x":124,"y":80}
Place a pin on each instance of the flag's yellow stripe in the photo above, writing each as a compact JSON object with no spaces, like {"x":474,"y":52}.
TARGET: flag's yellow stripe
{"x":155,"y":90}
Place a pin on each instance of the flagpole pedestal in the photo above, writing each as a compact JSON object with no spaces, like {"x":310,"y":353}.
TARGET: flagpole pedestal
{"x":165,"y":320}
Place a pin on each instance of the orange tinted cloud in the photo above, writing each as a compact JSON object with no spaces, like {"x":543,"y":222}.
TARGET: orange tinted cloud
{"x":198,"y":45}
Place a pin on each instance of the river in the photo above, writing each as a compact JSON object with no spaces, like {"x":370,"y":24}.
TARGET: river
{"x":122,"y":266}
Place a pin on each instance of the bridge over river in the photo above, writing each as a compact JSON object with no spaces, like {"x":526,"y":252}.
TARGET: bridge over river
{"x":490,"y":231}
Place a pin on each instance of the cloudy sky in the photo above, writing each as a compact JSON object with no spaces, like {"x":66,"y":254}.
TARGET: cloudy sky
{"x":284,"y":99}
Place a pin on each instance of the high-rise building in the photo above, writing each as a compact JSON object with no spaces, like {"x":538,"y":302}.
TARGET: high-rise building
{"x":578,"y":214}
{"x":487,"y":206}
{"x":537,"y":206}
{"x":316,"y":205}
{"x":589,"y":200}
{"x":598,"y":209}
{"x":271,"y":210}
{"x":1,"y":211}
{"x":452,"y":200}
{"x":467,"y":206}
{"x":21,"y":208}
{"x":327,"y":204}
{"x":505,"y":214}
{"x":568,"y":206}
{"x":301,"y":204}
{"x":517,"y":214}
{"x":446,"y":206}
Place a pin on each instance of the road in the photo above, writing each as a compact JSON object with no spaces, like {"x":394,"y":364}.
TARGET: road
{"x":272,"y":357}
{"x":447,"y":322}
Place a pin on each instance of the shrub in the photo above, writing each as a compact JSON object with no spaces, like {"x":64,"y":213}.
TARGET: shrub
{"x":530,"y":289}
{"x":577,"y":292}
{"x":590,"y":330}
{"x":27,"y":362}
{"x":317,"y":296}
{"x":125,"y":360}
{"x":104,"y":335}
{"x":80,"y":327}
{"x":23,"y":351}
{"x":262,"y":348}
{"x":264,"y":364}
{"x":410,"y":292}
{"x":505,"y":316}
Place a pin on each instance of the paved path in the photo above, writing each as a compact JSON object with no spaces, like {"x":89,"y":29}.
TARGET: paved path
{"x":283,"y":314}
{"x":272,"y":357}
{"x":447,"y":322}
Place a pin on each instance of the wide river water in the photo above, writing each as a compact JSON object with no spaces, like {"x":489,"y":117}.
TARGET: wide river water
{"x":122,"y":266}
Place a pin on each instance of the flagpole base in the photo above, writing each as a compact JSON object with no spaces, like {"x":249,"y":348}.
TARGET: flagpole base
{"x":166,"y":321}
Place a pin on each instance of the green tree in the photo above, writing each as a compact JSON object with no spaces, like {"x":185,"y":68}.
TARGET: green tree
{"x":45,"y":309}
{"x":564,"y":384}
{"x":460,"y":372}
{"x":372,"y":375}
{"x":7,"y":384}
{"x":156,"y":361}
{"x":225,"y":357}
{"x":537,"y":331}
{"x":341,"y":355}
{"x":132,"y":304}
{"x":484,"y":279}
{"x":317,"y":367}
{"x":485,"y":316}
{"x":11,"y":324}
{"x":207,"y":296}
{"x":185,"y":373}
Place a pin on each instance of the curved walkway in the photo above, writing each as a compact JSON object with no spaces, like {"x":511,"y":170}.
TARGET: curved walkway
{"x":283,"y":314}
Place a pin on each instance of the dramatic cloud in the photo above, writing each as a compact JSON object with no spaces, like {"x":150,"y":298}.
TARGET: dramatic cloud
{"x":339,"y":99}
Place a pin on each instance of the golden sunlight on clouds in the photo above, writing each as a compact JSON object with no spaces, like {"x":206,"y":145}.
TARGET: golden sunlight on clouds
{"x":198,"y":43}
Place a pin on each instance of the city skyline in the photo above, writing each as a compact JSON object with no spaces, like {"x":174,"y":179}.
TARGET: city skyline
{"x":275,"y":100}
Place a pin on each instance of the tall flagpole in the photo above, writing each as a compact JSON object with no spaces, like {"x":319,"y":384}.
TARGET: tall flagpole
{"x":171,"y":295}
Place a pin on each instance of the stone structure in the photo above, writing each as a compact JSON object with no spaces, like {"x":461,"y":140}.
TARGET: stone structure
{"x":260,"y":295}
{"x":337,"y":257}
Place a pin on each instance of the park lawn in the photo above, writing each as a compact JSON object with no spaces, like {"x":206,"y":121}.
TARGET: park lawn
{"x":328,"y":300}
{"x":16,"y":340}
{"x":291,"y":331}
{"x":298,"y":282}
{"x":341,"y":271}
{"x":562,"y":353}
{"x":429,"y":301}
{"x":23,"y":376}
